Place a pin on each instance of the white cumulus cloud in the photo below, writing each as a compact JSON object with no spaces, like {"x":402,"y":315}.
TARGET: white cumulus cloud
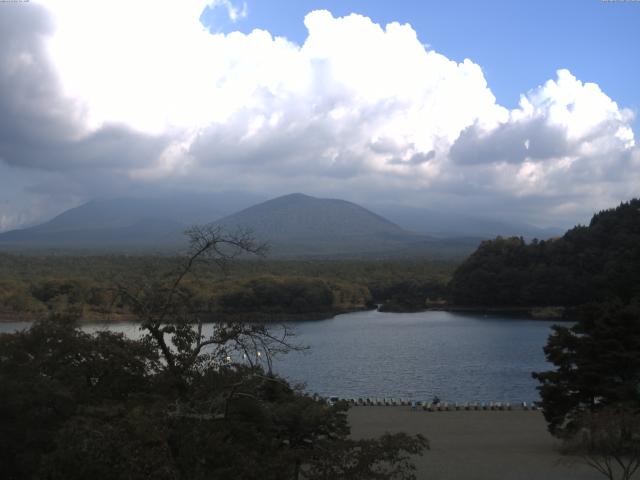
{"x":235,"y":12}
{"x":359,"y":110}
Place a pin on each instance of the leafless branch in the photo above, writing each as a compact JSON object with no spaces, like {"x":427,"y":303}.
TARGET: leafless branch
{"x":164,"y":309}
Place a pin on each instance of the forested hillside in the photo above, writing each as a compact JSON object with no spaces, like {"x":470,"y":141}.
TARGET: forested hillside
{"x":589,"y":263}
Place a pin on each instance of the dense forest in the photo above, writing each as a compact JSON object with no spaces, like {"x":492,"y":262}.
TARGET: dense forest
{"x":589,"y":263}
{"x":36,"y":286}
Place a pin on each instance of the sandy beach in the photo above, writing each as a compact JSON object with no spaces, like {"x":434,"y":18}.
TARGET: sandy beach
{"x":475,"y":445}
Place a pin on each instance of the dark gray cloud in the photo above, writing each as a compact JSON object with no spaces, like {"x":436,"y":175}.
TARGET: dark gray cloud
{"x":48,"y":162}
{"x":39,"y":127}
{"x":31,"y":107}
{"x":419,"y":158}
{"x":110,"y":146}
{"x":532,"y":139}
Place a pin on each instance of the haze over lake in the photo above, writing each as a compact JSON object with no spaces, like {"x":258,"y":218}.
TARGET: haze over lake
{"x":459,"y":357}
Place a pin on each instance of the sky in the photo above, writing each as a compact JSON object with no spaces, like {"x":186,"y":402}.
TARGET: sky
{"x":521,"y":110}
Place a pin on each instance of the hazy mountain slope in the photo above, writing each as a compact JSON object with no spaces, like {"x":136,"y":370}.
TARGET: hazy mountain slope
{"x":447,"y":224}
{"x":123,"y":222}
{"x":144,"y":234}
{"x":294,"y":225}
{"x":298,"y":225}
{"x":302,"y":216}
{"x":121,"y":212}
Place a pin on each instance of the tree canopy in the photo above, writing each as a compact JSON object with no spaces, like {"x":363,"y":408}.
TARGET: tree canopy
{"x":588,"y":263}
{"x":271,"y":290}
{"x":597,"y":364}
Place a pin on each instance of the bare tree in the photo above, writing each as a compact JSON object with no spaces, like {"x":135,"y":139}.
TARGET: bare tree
{"x":175,"y":326}
{"x":608,"y":441}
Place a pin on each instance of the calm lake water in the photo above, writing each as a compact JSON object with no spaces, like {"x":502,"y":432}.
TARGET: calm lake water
{"x":459,"y":357}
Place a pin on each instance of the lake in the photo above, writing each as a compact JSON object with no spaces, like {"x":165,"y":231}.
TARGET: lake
{"x":458,"y":357}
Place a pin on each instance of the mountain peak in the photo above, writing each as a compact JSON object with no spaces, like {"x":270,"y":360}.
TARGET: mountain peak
{"x":291,"y":198}
{"x":295,"y":224}
{"x":296,"y":196}
{"x":318,"y":222}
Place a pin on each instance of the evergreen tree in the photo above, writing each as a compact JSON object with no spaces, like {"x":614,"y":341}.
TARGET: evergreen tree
{"x":588,"y":263}
{"x":597,"y":364}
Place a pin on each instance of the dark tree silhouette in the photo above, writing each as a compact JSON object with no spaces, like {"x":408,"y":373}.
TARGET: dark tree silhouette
{"x":597,"y":364}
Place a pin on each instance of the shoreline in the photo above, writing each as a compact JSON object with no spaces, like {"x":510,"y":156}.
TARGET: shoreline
{"x":256,"y":317}
{"x":533,"y":312}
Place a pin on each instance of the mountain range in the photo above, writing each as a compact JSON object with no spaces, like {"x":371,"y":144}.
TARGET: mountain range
{"x":294,"y":225}
{"x":127,"y":223}
{"x":448,"y":224}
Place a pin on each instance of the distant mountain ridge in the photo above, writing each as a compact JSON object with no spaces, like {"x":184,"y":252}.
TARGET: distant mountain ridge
{"x":300,"y":216}
{"x":447,"y":224}
{"x":122,"y":223}
{"x":295,"y":225}
{"x":298,"y":224}
{"x":125,"y":212}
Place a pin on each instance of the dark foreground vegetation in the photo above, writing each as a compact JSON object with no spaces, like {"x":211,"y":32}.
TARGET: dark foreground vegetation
{"x":78,"y":406}
{"x":175,"y":404}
